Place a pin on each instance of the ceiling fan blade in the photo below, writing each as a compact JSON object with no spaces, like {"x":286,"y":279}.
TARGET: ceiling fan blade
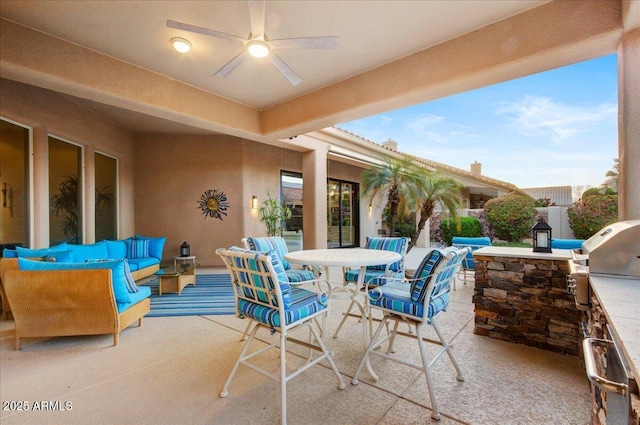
{"x":232,"y":64}
{"x":205,"y":31}
{"x":285,"y":70}
{"x":257,"y":16}
{"x":330,"y":42}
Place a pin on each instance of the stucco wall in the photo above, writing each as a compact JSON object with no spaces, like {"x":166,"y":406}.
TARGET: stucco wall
{"x":172,"y":172}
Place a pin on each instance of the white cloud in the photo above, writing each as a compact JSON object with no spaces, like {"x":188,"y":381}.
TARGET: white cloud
{"x":538,"y":116}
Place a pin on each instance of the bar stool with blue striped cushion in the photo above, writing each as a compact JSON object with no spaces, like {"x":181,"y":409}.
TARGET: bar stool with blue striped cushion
{"x":377,"y":274}
{"x":417,"y":302}
{"x":279,"y":246}
{"x":264,"y":295}
{"x":396,"y":269}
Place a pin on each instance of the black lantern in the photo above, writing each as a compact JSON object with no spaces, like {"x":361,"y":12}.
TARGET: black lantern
{"x":541,"y":237}
{"x":185,"y":249}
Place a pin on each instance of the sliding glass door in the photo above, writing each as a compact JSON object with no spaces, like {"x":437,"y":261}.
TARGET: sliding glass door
{"x":342,"y":214}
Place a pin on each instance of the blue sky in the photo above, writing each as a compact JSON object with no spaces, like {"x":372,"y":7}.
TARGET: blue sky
{"x":555,"y":128}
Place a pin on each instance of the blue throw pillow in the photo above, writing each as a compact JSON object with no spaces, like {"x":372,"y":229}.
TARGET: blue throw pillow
{"x":38,"y":253}
{"x":156,"y":245}
{"x":118,"y":279}
{"x":137,"y":248}
{"x":116,"y":249}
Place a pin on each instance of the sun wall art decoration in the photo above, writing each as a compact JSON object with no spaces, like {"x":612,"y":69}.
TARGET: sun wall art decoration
{"x":213,"y":204}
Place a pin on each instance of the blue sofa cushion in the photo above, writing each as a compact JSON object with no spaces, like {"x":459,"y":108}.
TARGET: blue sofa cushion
{"x":156,"y":245}
{"x":82,"y":253}
{"x":9,"y":253}
{"x":60,"y":256}
{"x":38,"y":253}
{"x":143,"y":292}
{"x":137,"y":248}
{"x":141,"y":263}
{"x":116,"y":249}
{"x":118,"y":279}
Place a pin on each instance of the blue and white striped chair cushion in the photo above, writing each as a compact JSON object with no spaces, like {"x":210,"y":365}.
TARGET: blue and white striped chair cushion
{"x":387,"y":244}
{"x":396,"y":297}
{"x":371,"y":277}
{"x":297,"y":275}
{"x":266,"y":281}
{"x":274,"y":243}
{"x":304,"y":304}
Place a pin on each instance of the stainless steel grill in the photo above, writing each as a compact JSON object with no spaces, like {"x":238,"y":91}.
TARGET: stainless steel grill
{"x":613,"y":251}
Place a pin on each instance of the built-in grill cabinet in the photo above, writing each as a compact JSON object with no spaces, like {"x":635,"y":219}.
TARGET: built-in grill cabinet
{"x":613,"y":252}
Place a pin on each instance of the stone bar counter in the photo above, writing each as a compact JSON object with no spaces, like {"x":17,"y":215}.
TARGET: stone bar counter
{"x":521,"y":296}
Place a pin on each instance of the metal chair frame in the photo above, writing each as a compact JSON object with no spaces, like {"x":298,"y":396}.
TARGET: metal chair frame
{"x":245,"y":269}
{"x":450,"y":267}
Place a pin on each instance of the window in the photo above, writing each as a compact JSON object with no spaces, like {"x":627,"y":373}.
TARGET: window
{"x":14,"y":182}
{"x":65,"y":192}
{"x":106,"y":194}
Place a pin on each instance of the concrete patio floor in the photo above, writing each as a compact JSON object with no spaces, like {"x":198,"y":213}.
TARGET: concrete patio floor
{"x":171,"y":371}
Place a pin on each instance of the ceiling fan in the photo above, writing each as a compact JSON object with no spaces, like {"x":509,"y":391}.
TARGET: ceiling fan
{"x":259,"y":45}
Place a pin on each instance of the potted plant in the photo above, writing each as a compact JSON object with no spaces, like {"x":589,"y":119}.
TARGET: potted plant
{"x":273,"y":215}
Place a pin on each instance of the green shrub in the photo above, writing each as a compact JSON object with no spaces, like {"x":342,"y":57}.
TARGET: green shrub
{"x":591,"y":214}
{"x":511,"y":216}
{"x":408,"y":230}
{"x":465,"y":226}
{"x":591,"y":192}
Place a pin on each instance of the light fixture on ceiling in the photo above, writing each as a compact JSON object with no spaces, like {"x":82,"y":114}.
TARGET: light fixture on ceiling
{"x":258,"y":48}
{"x":181,"y":45}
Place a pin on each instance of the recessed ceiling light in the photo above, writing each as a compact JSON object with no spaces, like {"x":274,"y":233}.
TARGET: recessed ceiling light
{"x":181,"y":45}
{"x":258,"y":48}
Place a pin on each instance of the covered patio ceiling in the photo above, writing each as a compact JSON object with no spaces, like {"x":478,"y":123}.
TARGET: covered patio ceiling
{"x":116,"y":58}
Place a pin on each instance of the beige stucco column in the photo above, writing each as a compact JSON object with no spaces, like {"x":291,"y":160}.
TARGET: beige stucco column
{"x":89,"y":178}
{"x":40,"y":237}
{"x":314,"y":198}
{"x":629,"y":126}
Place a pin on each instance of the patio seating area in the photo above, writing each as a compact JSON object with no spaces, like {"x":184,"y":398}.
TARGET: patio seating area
{"x":173,"y":368}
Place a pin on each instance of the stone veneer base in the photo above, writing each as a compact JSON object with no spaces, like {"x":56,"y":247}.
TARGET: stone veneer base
{"x":521,"y":297}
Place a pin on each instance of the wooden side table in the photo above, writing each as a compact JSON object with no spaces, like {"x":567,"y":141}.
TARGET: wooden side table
{"x":176,"y":278}
{"x":191,"y":258}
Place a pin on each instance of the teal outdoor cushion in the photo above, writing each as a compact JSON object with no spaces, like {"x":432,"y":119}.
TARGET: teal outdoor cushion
{"x":83,"y":253}
{"x":156,"y":245}
{"x":118,"y":279}
{"x":116,"y":249}
{"x":37,"y":253}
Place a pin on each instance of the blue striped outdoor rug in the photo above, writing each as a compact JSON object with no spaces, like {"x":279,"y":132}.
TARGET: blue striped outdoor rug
{"x":213,"y":294}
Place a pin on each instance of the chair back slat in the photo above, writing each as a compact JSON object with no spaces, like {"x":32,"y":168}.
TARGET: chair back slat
{"x":398,"y":245}
{"x":254,"y":277}
{"x":269,"y":243}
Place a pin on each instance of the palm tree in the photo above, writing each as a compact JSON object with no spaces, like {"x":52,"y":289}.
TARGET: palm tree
{"x":436,"y":189}
{"x":612,"y":176}
{"x":396,"y":179}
